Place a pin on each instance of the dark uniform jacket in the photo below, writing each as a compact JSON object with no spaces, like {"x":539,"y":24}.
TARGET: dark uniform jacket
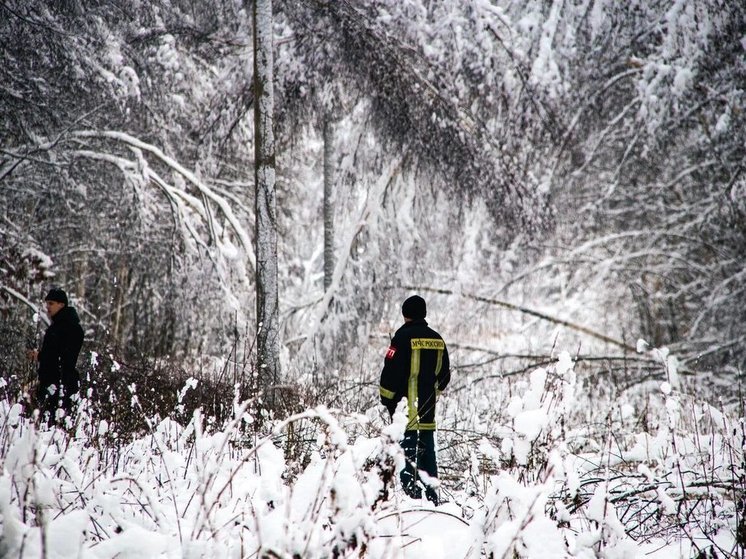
{"x":59,"y":353}
{"x":416,"y":366}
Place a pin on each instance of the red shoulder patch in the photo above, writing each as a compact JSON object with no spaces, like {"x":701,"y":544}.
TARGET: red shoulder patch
{"x":391,"y":352}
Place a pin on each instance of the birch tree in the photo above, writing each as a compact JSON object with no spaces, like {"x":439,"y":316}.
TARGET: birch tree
{"x":267,"y":311}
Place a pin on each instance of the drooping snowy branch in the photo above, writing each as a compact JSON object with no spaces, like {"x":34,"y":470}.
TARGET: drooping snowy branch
{"x":369,"y":212}
{"x":202,"y":188}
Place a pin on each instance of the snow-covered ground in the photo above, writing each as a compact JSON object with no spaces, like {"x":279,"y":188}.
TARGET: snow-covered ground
{"x":537,"y":481}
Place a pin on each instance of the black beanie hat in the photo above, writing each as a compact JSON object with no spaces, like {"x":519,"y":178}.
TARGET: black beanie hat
{"x":414,"y":308}
{"x":56,"y":294}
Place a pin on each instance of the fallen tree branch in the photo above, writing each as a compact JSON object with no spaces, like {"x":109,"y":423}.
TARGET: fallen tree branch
{"x":527,"y":311}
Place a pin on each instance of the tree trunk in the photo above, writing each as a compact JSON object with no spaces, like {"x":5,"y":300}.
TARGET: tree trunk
{"x":328,"y":203}
{"x":120,"y":287}
{"x":266,"y":215}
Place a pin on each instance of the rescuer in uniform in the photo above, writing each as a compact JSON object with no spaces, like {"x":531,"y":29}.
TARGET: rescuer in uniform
{"x":416,"y":366}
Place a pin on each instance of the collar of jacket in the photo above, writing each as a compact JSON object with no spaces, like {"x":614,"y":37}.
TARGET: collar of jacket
{"x":65,"y":314}
{"x":417,"y":321}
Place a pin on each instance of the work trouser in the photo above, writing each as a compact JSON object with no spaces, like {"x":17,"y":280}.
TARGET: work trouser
{"x":419,"y":449}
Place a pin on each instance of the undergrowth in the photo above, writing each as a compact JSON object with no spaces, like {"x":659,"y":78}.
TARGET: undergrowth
{"x":564,"y":455}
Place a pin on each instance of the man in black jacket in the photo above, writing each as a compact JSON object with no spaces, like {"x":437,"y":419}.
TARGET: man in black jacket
{"x":416,"y":366}
{"x":58,"y":377}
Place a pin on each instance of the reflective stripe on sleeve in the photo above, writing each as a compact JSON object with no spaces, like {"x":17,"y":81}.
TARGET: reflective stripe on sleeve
{"x":386,"y":393}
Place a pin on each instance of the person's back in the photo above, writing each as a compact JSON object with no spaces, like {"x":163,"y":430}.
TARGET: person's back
{"x":416,"y":366}
{"x":415,"y":369}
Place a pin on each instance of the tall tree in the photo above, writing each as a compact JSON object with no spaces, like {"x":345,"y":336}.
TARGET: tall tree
{"x":328,"y":202}
{"x":267,"y":313}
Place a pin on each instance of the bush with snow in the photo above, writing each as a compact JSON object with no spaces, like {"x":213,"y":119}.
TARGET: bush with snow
{"x":539,"y":482}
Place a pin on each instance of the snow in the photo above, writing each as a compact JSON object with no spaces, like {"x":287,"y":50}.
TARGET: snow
{"x":43,"y":260}
{"x":190,"y":490}
{"x":684,"y":76}
{"x":723,"y":123}
{"x":422,"y":532}
{"x":544,"y":455}
{"x":545,"y":69}
{"x":530,"y":423}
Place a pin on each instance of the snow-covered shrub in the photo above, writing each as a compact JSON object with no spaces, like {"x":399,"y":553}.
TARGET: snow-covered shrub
{"x":660,"y":466}
{"x":188,"y":490}
{"x":539,"y":482}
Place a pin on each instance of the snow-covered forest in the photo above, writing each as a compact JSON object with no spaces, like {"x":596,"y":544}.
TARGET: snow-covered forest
{"x":564,"y":182}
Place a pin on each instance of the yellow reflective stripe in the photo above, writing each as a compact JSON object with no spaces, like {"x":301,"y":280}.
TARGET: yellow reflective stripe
{"x":439,"y":364}
{"x":428,"y":343}
{"x":414,"y":371}
{"x":386,"y":393}
{"x":416,"y":426}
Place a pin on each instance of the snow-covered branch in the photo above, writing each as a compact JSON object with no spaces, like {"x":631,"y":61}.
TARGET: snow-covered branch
{"x":208,"y":193}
